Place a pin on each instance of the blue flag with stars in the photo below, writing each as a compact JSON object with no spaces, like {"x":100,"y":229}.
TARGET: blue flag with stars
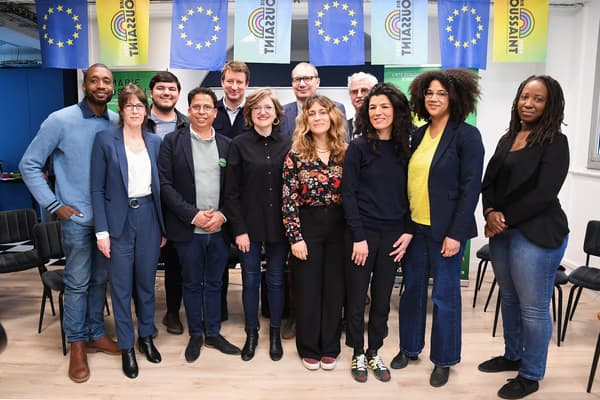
{"x":63,"y":27}
{"x":336,"y":32}
{"x":199,"y":34}
{"x":464,"y":27}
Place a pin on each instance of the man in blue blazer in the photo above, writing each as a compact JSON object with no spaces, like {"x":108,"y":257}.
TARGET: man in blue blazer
{"x":305,"y":82}
{"x":191,"y":164}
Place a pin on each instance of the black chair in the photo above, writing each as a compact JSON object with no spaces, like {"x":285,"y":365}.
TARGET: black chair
{"x":47,"y":238}
{"x":585,"y":276}
{"x":594,"y":365}
{"x":559,"y":280}
{"x":16,"y":226}
{"x":484,"y":258}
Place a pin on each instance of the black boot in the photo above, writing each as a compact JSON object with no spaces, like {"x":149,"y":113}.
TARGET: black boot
{"x":250,"y":345}
{"x":130,"y":367}
{"x":275,"y":349}
{"x":146,"y":346}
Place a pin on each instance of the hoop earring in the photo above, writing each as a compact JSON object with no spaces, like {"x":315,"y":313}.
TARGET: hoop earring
{"x":276,"y":122}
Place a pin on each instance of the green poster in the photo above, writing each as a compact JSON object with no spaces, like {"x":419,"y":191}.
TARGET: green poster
{"x":122,"y":78}
{"x":402,"y":78}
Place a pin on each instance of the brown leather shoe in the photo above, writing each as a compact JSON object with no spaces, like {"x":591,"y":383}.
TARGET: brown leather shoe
{"x":78,"y":367}
{"x":104,"y":345}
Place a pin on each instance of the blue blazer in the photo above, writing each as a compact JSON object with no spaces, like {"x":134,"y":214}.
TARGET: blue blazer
{"x":454,"y":180}
{"x":290,"y":112}
{"x":223,"y":125}
{"x":109,"y":180}
{"x":178,"y":186}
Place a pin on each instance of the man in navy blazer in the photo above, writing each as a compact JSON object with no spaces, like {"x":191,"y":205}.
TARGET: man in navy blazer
{"x":235,"y":77}
{"x":191,"y":163}
{"x":305,"y":82}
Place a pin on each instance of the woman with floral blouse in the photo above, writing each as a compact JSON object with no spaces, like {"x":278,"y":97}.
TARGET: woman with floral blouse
{"x":314,"y":222}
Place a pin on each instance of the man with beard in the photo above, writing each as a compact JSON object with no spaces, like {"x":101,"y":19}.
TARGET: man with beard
{"x":165,"y":118}
{"x":67,"y":137}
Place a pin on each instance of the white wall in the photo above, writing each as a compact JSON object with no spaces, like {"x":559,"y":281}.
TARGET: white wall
{"x":571,"y":59}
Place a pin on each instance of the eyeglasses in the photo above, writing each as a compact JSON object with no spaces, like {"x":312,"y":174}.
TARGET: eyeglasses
{"x":440,"y":93}
{"x":260,"y":109}
{"x":356,"y":92}
{"x":134,"y":107}
{"x":306,"y":79}
{"x":202,"y":108}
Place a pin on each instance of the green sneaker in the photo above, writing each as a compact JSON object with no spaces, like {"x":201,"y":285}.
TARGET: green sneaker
{"x":359,"y":368}
{"x":379,"y":369}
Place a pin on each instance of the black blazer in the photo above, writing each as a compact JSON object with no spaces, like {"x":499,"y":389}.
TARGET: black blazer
{"x":530,"y":198}
{"x":454,"y":180}
{"x":177,"y":184}
{"x":223,"y":125}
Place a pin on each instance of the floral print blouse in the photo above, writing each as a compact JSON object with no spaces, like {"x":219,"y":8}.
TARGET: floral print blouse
{"x":307,"y":184}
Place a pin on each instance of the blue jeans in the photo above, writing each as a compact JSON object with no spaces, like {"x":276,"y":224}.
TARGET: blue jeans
{"x":85,"y":283}
{"x":277,"y":253}
{"x":203,"y":260}
{"x":525,"y":274}
{"x":422,"y":260}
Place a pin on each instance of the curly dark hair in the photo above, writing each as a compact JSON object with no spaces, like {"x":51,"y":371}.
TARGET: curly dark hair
{"x":549,"y":124}
{"x":402,"y":125}
{"x":462,"y":86}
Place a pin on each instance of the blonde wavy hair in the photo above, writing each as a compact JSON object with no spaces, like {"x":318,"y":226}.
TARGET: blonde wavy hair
{"x":303,"y":142}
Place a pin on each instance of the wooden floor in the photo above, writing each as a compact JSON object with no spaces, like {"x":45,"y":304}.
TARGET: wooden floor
{"x":33,"y":366}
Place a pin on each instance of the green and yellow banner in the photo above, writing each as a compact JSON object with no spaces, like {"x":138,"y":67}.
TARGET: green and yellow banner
{"x":123,"y":27}
{"x":520,"y":30}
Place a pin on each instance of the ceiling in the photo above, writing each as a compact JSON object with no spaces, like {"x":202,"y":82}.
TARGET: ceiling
{"x":19,"y":39}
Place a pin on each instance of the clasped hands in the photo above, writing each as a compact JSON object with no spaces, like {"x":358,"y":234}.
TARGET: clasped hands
{"x":209,"y":220}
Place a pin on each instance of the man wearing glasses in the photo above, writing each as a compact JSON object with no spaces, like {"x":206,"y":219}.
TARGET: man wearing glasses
{"x":305,"y":82}
{"x":359,"y":85}
{"x":191,"y":164}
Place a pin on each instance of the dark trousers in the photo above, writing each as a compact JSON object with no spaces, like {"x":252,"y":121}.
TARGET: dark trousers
{"x":379,"y":270}
{"x":319,"y":282}
{"x":132,"y":264}
{"x":173,"y":284}
{"x":203,"y":260}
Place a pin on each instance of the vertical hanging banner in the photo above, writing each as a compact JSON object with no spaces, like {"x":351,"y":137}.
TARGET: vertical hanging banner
{"x":336,"y":32}
{"x":262,"y":31}
{"x":63,"y":27}
{"x":123,"y":27}
{"x":520,"y":30}
{"x":464,"y":27}
{"x":199,"y":34}
{"x":399,"y":33}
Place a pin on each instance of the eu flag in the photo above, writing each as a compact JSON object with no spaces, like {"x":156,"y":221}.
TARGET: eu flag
{"x":63,"y":26}
{"x":336,"y":32}
{"x":199,"y":34}
{"x":464,"y":27}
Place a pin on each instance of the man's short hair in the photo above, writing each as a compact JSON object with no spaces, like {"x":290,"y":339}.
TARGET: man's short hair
{"x":202,"y":90}
{"x":362,"y":76}
{"x":97,"y":65}
{"x":236,"y":66}
{"x":164,"y":76}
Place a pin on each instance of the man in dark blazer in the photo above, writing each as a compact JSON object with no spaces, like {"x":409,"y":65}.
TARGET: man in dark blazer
{"x":305,"y":82}
{"x":192,"y":162}
{"x":235,"y":77}
{"x":359,"y":85}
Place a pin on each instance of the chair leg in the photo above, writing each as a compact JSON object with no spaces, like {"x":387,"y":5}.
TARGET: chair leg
{"x":553,"y":307}
{"x":594,"y":365}
{"x":487,"y":302}
{"x":51,"y":303}
{"x":477,"y":281}
{"x":42,"y":308}
{"x":62,"y":329}
{"x":576,"y":303}
{"x":497,"y":312}
{"x":559,"y":316}
{"x":567,"y":313}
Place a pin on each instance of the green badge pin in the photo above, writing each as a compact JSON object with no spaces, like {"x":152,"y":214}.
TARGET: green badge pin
{"x":222,"y":162}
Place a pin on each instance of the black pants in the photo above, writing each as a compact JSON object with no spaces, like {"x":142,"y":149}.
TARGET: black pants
{"x":379,"y":270}
{"x":173,"y":288}
{"x":319,"y":282}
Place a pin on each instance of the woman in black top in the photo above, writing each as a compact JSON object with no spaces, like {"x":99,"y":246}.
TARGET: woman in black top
{"x":527,"y":228}
{"x":253,"y":205}
{"x":377,"y":213}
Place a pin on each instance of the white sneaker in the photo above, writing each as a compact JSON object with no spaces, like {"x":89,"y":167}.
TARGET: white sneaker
{"x":328,"y":363}
{"x":310,"y":363}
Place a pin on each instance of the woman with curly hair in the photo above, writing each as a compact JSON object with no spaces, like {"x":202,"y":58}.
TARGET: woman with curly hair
{"x":444,"y":182}
{"x":527,"y":227}
{"x":314,"y":224}
{"x":377,"y":214}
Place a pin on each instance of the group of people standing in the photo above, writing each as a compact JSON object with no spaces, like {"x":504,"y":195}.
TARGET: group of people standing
{"x":341,"y":202}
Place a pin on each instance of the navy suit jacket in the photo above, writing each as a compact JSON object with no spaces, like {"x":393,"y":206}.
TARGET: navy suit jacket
{"x":109,"y":180}
{"x":177,"y":183}
{"x":223,"y":125}
{"x":290,"y":111}
{"x":454,"y":180}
